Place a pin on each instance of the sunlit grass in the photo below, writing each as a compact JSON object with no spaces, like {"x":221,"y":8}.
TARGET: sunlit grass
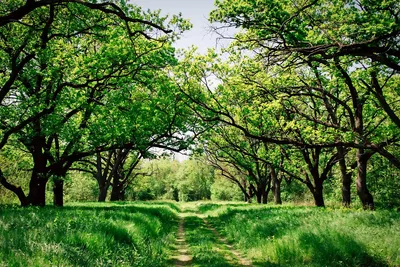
{"x":143,"y":234}
{"x":289,"y":236}
{"x":87,"y":235}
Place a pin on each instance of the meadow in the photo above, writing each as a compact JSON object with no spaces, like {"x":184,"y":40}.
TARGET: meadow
{"x":216,"y":234}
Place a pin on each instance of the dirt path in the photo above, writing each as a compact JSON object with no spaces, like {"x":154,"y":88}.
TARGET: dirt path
{"x":229,"y":248}
{"x":183,"y":258}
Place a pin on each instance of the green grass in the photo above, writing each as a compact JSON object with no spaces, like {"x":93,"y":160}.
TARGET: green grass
{"x":204,"y":245}
{"x":87,"y":235}
{"x":308,"y":236}
{"x":143,"y":234}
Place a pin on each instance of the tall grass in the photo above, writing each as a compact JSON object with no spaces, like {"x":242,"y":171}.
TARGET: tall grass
{"x":87,"y":235}
{"x":308,"y":236}
{"x":143,"y":234}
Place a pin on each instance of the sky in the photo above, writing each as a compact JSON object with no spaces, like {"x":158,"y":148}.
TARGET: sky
{"x":197,"y":12}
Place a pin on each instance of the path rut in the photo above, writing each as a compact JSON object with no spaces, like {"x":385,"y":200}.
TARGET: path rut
{"x":183,"y":258}
{"x":237,"y":255}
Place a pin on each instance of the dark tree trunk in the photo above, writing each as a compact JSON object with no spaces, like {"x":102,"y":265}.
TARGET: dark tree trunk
{"x":277,"y":192}
{"x":37,"y":190}
{"x":102,"y":193}
{"x":361,"y":182}
{"x":58,"y":190}
{"x":265,"y":191}
{"x":317,"y":192}
{"x":246,"y":196}
{"x":259,"y":196}
{"x":252,"y":192}
{"x":117,"y":193}
{"x":318,"y":196}
{"x":276,"y":187}
{"x":265,"y":196}
{"x":346,"y":179}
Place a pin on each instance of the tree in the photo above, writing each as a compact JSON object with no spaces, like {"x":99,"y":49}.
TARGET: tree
{"x":60,"y":75}
{"x":236,"y":156}
{"x":303,"y":38}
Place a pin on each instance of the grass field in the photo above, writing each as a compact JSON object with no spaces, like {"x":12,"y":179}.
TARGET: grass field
{"x":216,"y":234}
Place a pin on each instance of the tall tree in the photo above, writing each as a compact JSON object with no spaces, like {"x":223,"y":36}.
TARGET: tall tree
{"x":68,"y":66}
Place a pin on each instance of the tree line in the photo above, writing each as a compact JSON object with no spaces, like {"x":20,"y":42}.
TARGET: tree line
{"x":80,"y":79}
{"x":306,"y":92}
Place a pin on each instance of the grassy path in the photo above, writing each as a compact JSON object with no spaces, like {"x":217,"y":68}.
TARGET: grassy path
{"x":239,"y":258}
{"x":199,"y":244}
{"x":182,"y":256}
{"x":162,"y":234}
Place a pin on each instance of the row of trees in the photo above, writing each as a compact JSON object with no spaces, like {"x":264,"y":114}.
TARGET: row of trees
{"x":307,"y":90}
{"x":85,"y":84}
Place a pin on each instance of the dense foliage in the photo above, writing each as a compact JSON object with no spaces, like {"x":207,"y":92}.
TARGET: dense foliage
{"x":301,"y":104}
{"x":315,"y":84}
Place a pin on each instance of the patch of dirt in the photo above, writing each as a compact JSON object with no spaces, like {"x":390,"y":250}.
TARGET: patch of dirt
{"x":183,"y":258}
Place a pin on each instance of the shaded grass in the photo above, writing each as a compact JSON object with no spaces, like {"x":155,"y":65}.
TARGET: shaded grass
{"x":289,"y":236}
{"x":87,"y":235}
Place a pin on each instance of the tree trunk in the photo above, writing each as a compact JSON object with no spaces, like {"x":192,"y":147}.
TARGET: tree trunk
{"x":58,"y":190}
{"x":276,"y":187}
{"x":317,"y":192}
{"x":361,"y":182}
{"x":277,"y":192}
{"x":102,"y":194}
{"x":265,"y":197}
{"x":346,"y":179}
{"x":259,"y":196}
{"x":37,"y":190}
{"x":116,"y":193}
{"x":265,"y":191}
{"x":252,"y":192}
{"x":246,"y":196}
{"x":318,"y":195}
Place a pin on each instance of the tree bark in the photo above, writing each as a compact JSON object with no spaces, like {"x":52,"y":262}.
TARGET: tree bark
{"x":117,"y":191}
{"x":102,"y":194}
{"x":361,"y":182}
{"x":277,"y":192}
{"x":58,"y":190}
{"x":265,"y":196}
{"x":346,"y":179}
{"x":259,"y":196}
{"x":317,"y":192}
{"x":318,"y":195}
{"x":37,"y":190}
{"x":276,"y":187}
{"x":265,"y":191}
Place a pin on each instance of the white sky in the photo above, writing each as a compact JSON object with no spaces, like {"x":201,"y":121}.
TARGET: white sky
{"x":196,"y":11}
